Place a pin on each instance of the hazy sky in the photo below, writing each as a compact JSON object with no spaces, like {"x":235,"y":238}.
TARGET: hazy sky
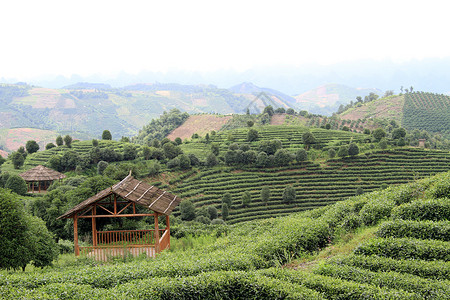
{"x":106,"y":37}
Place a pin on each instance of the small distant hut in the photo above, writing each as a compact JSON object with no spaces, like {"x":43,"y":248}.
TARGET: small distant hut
{"x":118,"y":201}
{"x":422,"y":143}
{"x":40,"y":178}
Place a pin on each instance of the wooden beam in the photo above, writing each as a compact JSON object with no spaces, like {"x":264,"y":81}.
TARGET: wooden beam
{"x":110,"y":216}
{"x":94,"y":226}
{"x":168,"y":228}
{"x":75,"y":235}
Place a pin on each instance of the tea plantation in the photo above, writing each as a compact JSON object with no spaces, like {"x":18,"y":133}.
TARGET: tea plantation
{"x":407,"y":257}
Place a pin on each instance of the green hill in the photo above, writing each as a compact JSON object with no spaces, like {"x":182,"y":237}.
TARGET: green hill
{"x":417,"y":110}
{"x":390,"y":244}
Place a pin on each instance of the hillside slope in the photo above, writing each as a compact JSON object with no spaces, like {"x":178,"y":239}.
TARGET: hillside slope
{"x":404,"y":254}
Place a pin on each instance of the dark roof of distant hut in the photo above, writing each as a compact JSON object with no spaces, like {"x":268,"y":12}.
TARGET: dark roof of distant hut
{"x":41,"y":173}
{"x":135,"y":191}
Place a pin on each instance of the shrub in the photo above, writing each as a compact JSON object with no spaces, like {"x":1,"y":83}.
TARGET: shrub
{"x":187,"y":210}
{"x":106,"y":135}
{"x":289,"y":194}
{"x":434,"y":209}
{"x":301,"y":155}
{"x":246,"y":199}
{"x":212,"y":212}
{"x":16,"y":184}
{"x":415,"y":229}
{"x":101,"y":166}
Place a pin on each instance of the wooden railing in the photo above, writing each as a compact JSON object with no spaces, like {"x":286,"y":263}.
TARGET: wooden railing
{"x":126,"y":242}
{"x":164,"y":241}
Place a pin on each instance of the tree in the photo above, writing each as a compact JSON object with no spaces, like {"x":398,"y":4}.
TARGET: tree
{"x":331,"y":153}
{"x":290,"y":111}
{"x":173,"y":163}
{"x":343,"y":151}
{"x":401,"y":142}
{"x":268,"y":110}
{"x":129,"y":152}
{"x":366,"y":131}
{"x":378,"y":134}
{"x":13,"y":234}
{"x":178,"y":140}
{"x":398,"y":133}
{"x":94,"y":143}
{"x":17,"y":159}
{"x":101,"y":166}
{"x":187,"y":210}
{"x":215,"y":149}
{"x":265,"y":195}
{"x":359,"y":191}
{"x":262,"y":160}
{"x":328,"y":126}
{"x":280,"y":110}
{"x":206,"y":138}
{"x":16,"y":184}
{"x":270,"y":147}
{"x":31,"y":146}
{"x":106,"y":135}
{"x":211,"y":160}
{"x":41,"y":243}
{"x":194,"y":159}
{"x":282,"y":157}
{"x":246,"y":199}
{"x":227,"y":199}
{"x":252,"y":135}
{"x":225,"y":211}
{"x":69,"y":160}
{"x":185,"y":162}
{"x":308,"y":139}
{"x":383,"y":144}
{"x":289,"y":194}
{"x":250,"y":123}
{"x":49,"y":146}
{"x":68,"y":141}
{"x":55,"y":162}
{"x":301,"y":155}
{"x":171,"y":151}
{"x":353,"y":149}
{"x":212,"y":212}
{"x":59,"y":141}
{"x":146,"y":152}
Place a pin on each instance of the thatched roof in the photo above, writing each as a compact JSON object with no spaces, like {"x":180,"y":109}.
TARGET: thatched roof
{"x":41,"y":173}
{"x":135,"y":191}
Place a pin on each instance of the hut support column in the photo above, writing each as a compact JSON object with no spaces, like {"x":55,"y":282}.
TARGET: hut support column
{"x":156,"y":233}
{"x":168,"y":228}
{"x":75,"y":235}
{"x":94,"y":227}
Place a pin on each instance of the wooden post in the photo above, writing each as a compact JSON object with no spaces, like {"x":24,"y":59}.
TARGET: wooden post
{"x":115,"y":204}
{"x":168,"y":229}
{"x":156,"y":233}
{"x":39,"y":186}
{"x":75,"y":235}
{"x":94,"y":227}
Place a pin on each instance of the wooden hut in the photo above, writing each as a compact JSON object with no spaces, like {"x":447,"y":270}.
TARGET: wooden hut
{"x":120,"y":201}
{"x":39,"y":178}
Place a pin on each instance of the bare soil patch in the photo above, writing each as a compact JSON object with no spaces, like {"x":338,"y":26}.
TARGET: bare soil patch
{"x":278,"y":119}
{"x":200,"y":124}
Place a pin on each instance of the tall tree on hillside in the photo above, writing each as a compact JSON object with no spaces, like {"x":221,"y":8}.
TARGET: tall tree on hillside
{"x":59,"y":141}
{"x":289,"y":194}
{"x":106,"y":135}
{"x":353,"y":149}
{"x":17,"y":159}
{"x":308,"y":139}
{"x":68,"y":141}
{"x":31,"y":146}
{"x":265,"y":194}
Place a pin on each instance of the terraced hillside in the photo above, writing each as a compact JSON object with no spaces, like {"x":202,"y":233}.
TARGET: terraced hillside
{"x":402,"y":252}
{"x":427,"y":111}
{"x":315,"y":185}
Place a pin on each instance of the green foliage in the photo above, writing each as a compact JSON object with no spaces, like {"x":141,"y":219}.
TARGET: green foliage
{"x":17,"y":159}
{"x":106,"y":135}
{"x":268,"y":110}
{"x":269,"y":146}
{"x":252,"y":135}
{"x":171,"y":151}
{"x":185,"y":162}
{"x":212,"y":212}
{"x":353,"y":149}
{"x":383,"y":144}
{"x":246,"y":199}
{"x":343,"y":151}
{"x":69,"y":160}
{"x":225,"y":211}
{"x":129,"y":152}
{"x":178,"y":140}
{"x":49,"y":146}
{"x":94,"y":143}
{"x":282,"y":157}
{"x":59,"y":141}
{"x":68,"y":141}
{"x":378,"y":134}
{"x":301,"y":155}
{"x":289,"y":194}
{"x":101,"y":166}
{"x":398,"y":133}
{"x":31,"y":146}
{"x":406,"y":248}
{"x":16,"y":184}
{"x":415,"y":229}
{"x":433,"y":209}
{"x":265,"y":194}
{"x":308,"y":139}
{"x":211,"y":160}
{"x":331,"y":153}
{"x":160,"y":128}
{"x":187,"y":210}
{"x":227,"y":199}
{"x":55,"y":163}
